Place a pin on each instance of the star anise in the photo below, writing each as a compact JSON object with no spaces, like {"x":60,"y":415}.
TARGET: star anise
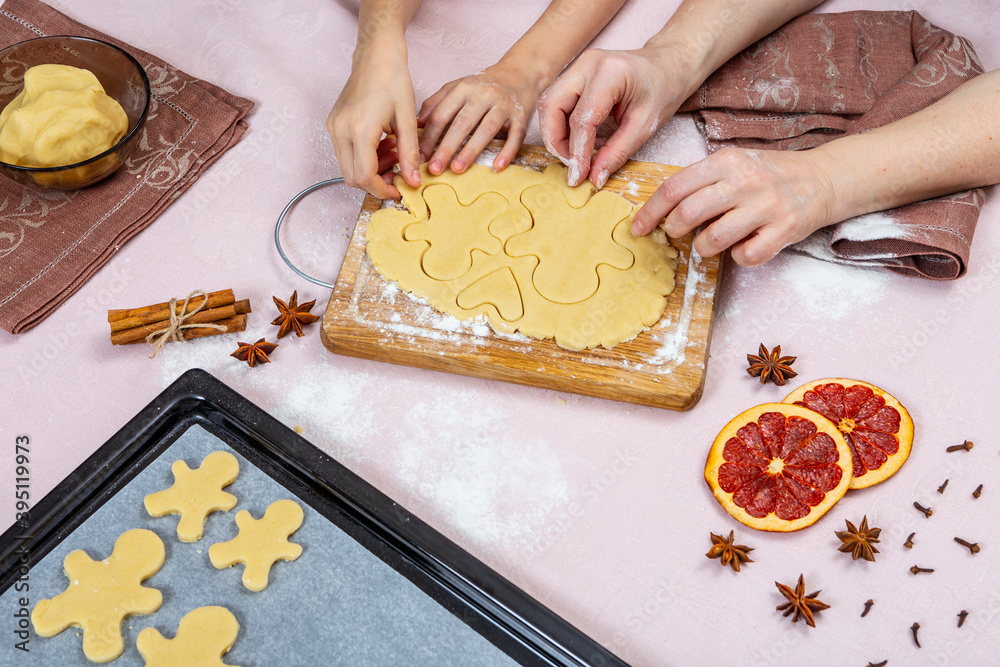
{"x":770,"y":366}
{"x":799,"y":603}
{"x":729,"y":553}
{"x":859,"y":541}
{"x":254,"y":353}
{"x":292,"y":316}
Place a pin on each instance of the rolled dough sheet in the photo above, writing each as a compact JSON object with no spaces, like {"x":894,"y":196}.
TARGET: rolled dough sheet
{"x":526,"y":251}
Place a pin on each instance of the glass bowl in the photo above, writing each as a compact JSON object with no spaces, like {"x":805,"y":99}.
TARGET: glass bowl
{"x":123,"y":79}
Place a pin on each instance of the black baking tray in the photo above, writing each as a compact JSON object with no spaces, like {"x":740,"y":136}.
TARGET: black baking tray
{"x":492,"y":606}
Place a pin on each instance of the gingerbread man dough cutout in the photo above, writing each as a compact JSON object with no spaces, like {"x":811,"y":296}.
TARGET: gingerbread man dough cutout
{"x":196,"y":493}
{"x":449,"y":254}
{"x":260,"y":543}
{"x":102,"y":593}
{"x":203,"y":637}
{"x":556,"y":222}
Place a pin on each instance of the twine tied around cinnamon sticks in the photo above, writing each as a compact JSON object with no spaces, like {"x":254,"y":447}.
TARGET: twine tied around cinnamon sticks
{"x":177,"y":322}
{"x":200,"y":314}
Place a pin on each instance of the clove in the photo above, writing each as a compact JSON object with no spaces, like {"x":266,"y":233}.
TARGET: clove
{"x":943,"y":487}
{"x":909,"y":541}
{"x":913,"y":629}
{"x":961,"y":617}
{"x":868,"y":606}
{"x":979,"y":490}
{"x":878,"y":664}
{"x":973,"y":548}
{"x":927,"y":511}
{"x":916,"y":569}
{"x":967,"y":445}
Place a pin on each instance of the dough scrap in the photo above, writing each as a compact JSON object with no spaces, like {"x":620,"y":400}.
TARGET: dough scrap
{"x":196,"y":493}
{"x":102,"y":593}
{"x":62,"y":116}
{"x":568,"y":266}
{"x":260,"y":543}
{"x":203,"y":637}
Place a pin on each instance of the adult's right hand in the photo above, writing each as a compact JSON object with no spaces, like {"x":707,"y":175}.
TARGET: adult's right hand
{"x":641,"y":88}
{"x":377,"y":98}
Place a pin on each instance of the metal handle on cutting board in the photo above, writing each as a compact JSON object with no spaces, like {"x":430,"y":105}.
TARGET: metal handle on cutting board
{"x":281,"y":219}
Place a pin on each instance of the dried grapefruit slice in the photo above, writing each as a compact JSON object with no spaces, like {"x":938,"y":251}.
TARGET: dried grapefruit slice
{"x":778,"y":467}
{"x":877,"y":428}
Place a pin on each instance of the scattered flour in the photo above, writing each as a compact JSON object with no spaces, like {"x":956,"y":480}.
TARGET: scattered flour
{"x":487,"y":157}
{"x":460,"y":458}
{"x":385,"y":203}
{"x":871,"y":227}
{"x":673,"y":347}
{"x":831,"y":290}
{"x":817,"y":245}
{"x":435,"y":325}
{"x":677,"y":142}
{"x":389,"y":291}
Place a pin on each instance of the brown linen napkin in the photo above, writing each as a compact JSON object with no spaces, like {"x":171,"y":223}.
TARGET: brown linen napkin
{"x":824,"y":76}
{"x":51,"y":243}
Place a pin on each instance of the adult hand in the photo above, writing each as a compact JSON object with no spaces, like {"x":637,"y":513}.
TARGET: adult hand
{"x":377,"y":99}
{"x":755,"y":202}
{"x":481,"y":105}
{"x":641,"y":89}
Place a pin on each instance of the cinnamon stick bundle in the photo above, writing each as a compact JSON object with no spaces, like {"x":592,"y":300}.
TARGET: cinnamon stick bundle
{"x":159,"y":312}
{"x":138,"y":334}
{"x":134,"y":325}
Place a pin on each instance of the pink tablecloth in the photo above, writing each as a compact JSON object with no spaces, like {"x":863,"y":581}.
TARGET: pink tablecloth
{"x":597,"y":508}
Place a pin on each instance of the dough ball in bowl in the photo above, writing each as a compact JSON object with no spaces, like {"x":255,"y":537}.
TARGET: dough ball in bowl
{"x":62,"y":116}
{"x":74,"y":120}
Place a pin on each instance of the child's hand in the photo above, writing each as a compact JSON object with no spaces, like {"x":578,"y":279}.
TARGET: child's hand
{"x":377,"y":98}
{"x":756,"y":202}
{"x":480,"y":105}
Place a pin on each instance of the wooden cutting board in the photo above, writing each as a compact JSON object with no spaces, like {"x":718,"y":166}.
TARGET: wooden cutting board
{"x":663,"y":367}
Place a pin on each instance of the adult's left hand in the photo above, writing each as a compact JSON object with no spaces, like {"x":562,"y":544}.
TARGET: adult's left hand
{"x":754,"y":202}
